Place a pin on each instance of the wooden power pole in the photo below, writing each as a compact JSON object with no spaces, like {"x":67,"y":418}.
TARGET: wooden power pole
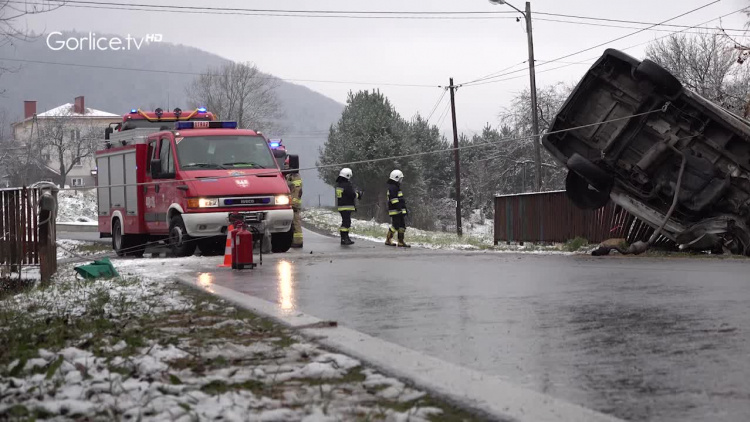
{"x":457,"y":160}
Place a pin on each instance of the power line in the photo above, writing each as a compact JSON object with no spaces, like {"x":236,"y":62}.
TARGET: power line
{"x":559,"y":59}
{"x":632,"y":33}
{"x":177,"y":72}
{"x":624,"y":27}
{"x":437,"y":104}
{"x":350,"y":14}
{"x":621,"y":21}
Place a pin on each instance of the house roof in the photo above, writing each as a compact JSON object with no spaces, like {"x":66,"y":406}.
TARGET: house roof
{"x":67,"y":111}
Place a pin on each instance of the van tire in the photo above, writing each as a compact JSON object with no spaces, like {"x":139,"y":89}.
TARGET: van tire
{"x":281,"y":242}
{"x":126,"y":244}
{"x":180,"y":243}
{"x":583,"y":195}
{"x":665,"y":82}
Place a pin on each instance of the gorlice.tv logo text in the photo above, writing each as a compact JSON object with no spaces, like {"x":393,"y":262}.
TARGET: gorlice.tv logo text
{"x":91,"y":42}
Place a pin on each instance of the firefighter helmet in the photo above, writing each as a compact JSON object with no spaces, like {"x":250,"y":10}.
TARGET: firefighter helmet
{"x":396,"y":176}
{"x":346,"y":173}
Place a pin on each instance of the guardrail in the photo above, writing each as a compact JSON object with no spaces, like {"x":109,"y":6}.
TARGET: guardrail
{"x":27,"y":230}
{"x":551,"y":217}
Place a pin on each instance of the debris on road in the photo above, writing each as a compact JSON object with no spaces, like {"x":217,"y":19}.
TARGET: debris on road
{"x":143,"y":348}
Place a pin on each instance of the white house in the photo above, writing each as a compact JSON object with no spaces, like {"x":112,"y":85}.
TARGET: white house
{"x":72,"y":121}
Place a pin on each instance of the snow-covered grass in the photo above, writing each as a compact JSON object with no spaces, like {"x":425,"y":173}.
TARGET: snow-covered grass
{"x":478,"y":237}
{"x":145,"y":348}
{"x":77,"y":205}
{"x":68,"y":248}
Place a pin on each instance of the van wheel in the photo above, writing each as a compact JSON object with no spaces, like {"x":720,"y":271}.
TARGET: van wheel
{"x":583,"y":195}
{"x":127,"y":244}
{"x":281,"y":242}
{"x":180,"y":242}
{"x":665,"y":82}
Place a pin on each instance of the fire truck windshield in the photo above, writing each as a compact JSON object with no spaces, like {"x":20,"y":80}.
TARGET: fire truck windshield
{"x":222,"y":152}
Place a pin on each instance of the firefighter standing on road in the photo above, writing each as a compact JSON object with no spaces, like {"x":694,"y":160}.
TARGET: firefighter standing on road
{"x":396,"y":210}
{"x":294,"y":181}
{"x":345,"y":198}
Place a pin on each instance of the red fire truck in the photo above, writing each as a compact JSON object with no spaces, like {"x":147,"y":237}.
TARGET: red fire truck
{"x":181,"y":185}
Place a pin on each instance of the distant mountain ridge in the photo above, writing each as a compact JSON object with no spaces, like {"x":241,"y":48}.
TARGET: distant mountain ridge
{"x":110,"y":87}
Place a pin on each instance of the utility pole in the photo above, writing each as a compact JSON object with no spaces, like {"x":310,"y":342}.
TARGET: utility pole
{"x":532,"y":87}
{"x":534,"y":116}
{"x":456,"y":158}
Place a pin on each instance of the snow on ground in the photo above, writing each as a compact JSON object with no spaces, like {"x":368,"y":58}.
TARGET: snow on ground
{"x":76,"y":205}
{"x":144,"y":348}
{"x":476,"y":236}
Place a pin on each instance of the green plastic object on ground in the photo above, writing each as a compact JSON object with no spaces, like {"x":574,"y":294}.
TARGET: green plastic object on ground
{"x":102,"y":268}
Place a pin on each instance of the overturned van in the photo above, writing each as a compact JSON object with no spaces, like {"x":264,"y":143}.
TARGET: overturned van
{"x":630,"y":133}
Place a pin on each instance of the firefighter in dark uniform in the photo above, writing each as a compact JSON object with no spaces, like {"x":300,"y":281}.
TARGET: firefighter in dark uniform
{"x":294,"y":181}
{"x":396,"y":210}
{"x":345,"y":200}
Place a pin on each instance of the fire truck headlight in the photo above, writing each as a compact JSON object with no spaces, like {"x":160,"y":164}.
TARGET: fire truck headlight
{"x":203,"y":202}
{"x":282,"y":200}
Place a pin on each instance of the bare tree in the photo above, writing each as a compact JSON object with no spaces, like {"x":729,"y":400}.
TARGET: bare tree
{"x":704,"y":63}
{"x":11,"y":13}
{"x":68,"y":140}
{"x":21,"y":162}
{"x":517,"y":123}
{"x":239,"y":92}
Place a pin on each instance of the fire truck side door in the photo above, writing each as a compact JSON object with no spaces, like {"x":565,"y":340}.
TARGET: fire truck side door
{"x":167,"y":192}
{"x":149,"y":190}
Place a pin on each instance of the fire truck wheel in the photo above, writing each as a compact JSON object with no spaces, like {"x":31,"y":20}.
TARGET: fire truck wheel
{"x":281,"y":242}
{"x":126,"y":244}
{"x":180,"y":242}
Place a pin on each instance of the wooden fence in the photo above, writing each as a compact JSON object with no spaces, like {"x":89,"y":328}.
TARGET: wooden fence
{"x":27,"y":232}
{"x":550,"y":217}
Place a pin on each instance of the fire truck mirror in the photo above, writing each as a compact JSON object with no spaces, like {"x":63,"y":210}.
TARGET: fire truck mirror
{"x":108,"y":131}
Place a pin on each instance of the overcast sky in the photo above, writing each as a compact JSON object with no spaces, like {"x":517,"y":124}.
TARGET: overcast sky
{"x":402,"y":51}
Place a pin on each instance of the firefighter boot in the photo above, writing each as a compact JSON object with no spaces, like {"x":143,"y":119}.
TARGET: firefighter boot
{"x":348,"y":239}
{"x":345,"y":239}
{"x":401,"y":243}
{"x":389,"y":238}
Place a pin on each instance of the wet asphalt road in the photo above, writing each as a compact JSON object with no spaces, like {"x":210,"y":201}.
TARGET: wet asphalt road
{"x":643,"y":339}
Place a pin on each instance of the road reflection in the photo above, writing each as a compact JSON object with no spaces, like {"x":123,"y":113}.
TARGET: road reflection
{"x":206,"y":280}
{"x":286,"y":291}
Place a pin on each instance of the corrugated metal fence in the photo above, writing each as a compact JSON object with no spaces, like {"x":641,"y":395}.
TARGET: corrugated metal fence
{"x":24,"y":242}
{"x":551,"y":217}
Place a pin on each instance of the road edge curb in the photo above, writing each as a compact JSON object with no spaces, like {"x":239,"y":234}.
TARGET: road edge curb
{"x":488,"y":395}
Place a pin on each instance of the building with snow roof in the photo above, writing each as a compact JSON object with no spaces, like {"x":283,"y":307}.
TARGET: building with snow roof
{"x":72,"y":128}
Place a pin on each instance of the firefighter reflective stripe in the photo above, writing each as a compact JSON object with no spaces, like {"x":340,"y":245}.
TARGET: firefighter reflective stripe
{"x":347,"y":208}
{"x":393,"y":229}
{"x":343,"y":229}
{"x":401,"y":230}
{"x":403,"y":211}
{"x":297,"y":201}
{"x":395,"y":212}
{"x":339,"y":192}
{"x":297,"y":183}
{"x":394,"y":201}
{"x":400,"y":194}
{"x":298,"y":235}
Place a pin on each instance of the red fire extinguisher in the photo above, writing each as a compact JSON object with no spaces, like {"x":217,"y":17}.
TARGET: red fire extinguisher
{"x":242,"y":250}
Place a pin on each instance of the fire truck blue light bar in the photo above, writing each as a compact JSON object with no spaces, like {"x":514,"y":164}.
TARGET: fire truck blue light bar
{"x":205,"y":125}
